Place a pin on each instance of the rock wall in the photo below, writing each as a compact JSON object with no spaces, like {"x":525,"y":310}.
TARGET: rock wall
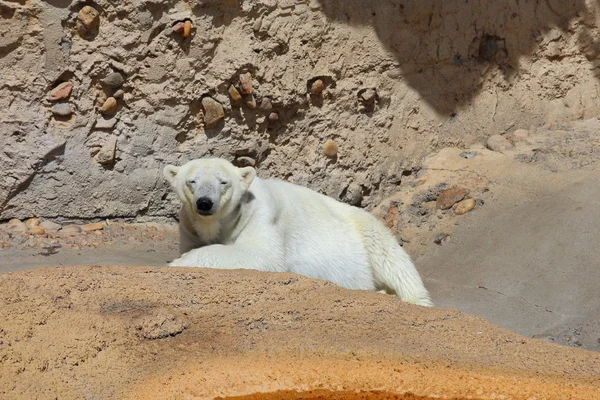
{"x":346,"y":97}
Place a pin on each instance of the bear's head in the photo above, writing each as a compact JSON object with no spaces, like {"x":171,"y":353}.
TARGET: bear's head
{"x":210,"y":187}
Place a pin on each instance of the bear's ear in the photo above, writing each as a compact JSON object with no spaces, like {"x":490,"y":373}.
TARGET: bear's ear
{"x":170,"y":172}
{"x":248,"y":174}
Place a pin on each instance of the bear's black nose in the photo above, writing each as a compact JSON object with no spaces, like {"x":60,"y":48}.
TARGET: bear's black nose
{"x":204,"y":205}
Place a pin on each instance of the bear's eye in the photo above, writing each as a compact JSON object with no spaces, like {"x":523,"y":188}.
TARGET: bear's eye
{"x":224,"y":182}
{"x":192,"y":181}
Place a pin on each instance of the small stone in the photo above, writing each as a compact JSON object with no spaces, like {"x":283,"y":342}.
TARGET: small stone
{"x":236,"y":97}
{"x":32,"y":222}
{"x":250,"y":101}
{"x":317,"y":87}
{"x":62,"y":109}
{"x":106,"y":155}
{"x":465,"y":206}
{"x":71,"y":230}
{"x":15,"y":225}
{"x":213,"y":111}
{"x":113,"y":80}
{"x":119,"y":94}
{"x":246,"y":83}
{"x":245,"y":161}
{"x":330,"y":148}
{"x":468,"y":154}
{"x":520,"y":135}
{"x":62,"y":91}
{"x":88,"y":16}
{"x":498,"y":143}
{"x":178,"y":27}
{"x":103,"y":123}
{"x":265,"y":104}
{"x":50,"y":226}
{"x":187,"y":28}
{"x":450,"y":197}
{"x":257,"y":24}
{"x":101,"y":98}
{"x":368,"y":96}
{"x":36,"y":230}
{"x":441,"y":238}
{"x":89,"y":22}
{"x":273,"y":117}
{"x":96,"y":226}
{"x":354,"y":195}
{"x":109,"y":107}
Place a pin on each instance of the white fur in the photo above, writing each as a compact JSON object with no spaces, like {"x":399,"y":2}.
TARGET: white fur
{"x":282,"y":227}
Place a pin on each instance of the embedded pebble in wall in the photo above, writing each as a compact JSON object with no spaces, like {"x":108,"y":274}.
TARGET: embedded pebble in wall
{"x":213,"y":111}
{"x":245,"y":161}
{"x":50,"y":226}
{"x":106,"y":155}
{"x":257,"y":24}
{"x":273,"y":117}
{"x":109,"y":107}
{"x":36,"y":230}
{"x":70,"y":229}
{"x":15,"y":225}
{"x":250,"y":101}
{"x":178,"y":27}
{"x":60,"y":92}
{"x":118,"y":94}
{"x":187,"y":28}
{"x":236,"y":97}
{"x":62,"y":109}
{"x":113,"y":80}
{"x":103,"y":123}
{"x":246,"y":83}
{"x":317,"y":87}
{"x":88,"y":21}
{"x":367,"y":97}
{"x":354,"y":195}
{"x":31,"y":222}
{"x":100,"y":99}
{"x":330,"y":148}
{"x":95,"y":226}
{"x":265,"y":104}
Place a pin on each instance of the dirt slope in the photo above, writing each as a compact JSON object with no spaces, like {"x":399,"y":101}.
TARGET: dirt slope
{"x":129,"y":332}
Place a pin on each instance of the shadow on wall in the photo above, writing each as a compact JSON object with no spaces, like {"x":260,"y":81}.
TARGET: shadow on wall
{"x":446,"y":49}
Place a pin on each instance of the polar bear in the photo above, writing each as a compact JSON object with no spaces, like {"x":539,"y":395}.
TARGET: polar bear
{"x":232,"y":219}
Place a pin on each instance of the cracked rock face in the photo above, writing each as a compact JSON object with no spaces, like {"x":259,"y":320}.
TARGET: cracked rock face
{"x":389,"y":81}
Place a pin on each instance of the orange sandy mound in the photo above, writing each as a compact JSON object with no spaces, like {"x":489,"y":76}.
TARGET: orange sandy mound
{"x":171,"y":333}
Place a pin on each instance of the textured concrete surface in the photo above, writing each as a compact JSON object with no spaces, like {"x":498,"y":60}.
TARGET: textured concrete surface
{"x":173,"y":333}
{"x":434,"y":78}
